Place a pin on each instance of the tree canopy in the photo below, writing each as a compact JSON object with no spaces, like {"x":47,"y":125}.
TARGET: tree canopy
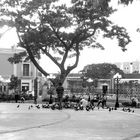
{"x":101,"y":71}
{"x":126,"y":2}
{"x":59,"y":31}
{"x":14,"y":82}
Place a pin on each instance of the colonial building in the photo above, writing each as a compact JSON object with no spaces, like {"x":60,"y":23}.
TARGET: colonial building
{"x":25,"y":71}
{"x":130,"y":84}
{"x":129,"y":67}
{"x":76,"y":84}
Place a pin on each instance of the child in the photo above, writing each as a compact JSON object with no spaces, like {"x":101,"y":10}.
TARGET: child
{"x":22,"y":99}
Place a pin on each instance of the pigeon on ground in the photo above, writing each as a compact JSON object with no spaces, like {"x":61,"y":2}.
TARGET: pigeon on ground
{"x":53,"y":107}
{"x":29,"y":107}
{"x":87,"y":108}
{"x":37,"y":106}
{"x":123,"y":109}
{"x":115,"y":108}
{"x":110,"y":109}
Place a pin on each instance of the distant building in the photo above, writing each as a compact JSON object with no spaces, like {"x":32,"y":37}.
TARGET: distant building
{"x":136,"y":66}
{"x":126,"y":67}
{"x":73,"y":80}
{"x":129,"y":67}
{"x":26,"y":71}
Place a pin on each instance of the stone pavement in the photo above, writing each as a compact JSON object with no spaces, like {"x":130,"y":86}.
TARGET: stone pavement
{"x":45,"y":124}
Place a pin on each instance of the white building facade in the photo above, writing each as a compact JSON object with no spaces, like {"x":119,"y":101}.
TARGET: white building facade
{"x":25,"y":71}
{"x":129,"y":67}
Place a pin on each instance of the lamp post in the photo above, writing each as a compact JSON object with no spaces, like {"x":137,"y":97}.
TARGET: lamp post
{"x":89,"y":80}
{"x":35,"y":90}
{"x":117,"y":78}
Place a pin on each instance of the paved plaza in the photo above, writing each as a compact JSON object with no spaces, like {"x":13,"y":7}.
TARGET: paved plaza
{"x":45,"y":124}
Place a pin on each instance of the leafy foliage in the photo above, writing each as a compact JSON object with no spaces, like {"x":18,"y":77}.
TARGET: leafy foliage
{"x":58,"y":31}
{"x":101,"y":71}
{"x":126,"y":2}
{"x":18,"y":57}
{"x":14,"y":82}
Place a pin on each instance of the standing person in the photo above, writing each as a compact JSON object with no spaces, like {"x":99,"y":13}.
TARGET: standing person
{"x":104,"y":99}
{"x":16,"y":96}
{"x":60,"y":92}
{"x":84,"y":102}
{"x":134,"y":101}
{"x":51,"y":92}
{"x":100,"y":101}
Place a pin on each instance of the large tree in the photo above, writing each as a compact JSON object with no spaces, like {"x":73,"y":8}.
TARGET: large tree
{"x":58,"y":31}
{"x":101,"y":71}
{"x":14,"y":83}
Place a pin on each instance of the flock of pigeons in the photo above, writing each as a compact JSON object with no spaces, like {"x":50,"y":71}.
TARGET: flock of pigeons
{"x":75,"y":106}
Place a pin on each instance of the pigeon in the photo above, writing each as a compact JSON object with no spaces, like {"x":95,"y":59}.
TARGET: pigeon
{"x":87,"y":108}
{"x":45,"y":106}
{"x":76,"y":107}
{"x":129,"y":110}
{"x":81,"y":107}
{"x":37,"y":106}
{"x":110,"y":109}
{"x":123,"y":109}
{"x":92,"y":107}
{"x":53,"y":107}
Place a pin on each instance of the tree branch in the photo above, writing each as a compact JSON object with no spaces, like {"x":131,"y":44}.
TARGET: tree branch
{"x":64,"y":57}
{"x":35,"y":62}
{"x":51,"y":57}
{"x":32,"y":57}
{"x":77,"y":59}
{"x":59,"y":37}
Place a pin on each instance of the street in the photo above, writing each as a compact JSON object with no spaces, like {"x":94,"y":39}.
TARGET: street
{"x":24,"y":123}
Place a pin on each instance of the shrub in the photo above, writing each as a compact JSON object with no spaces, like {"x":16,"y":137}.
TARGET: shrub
{"x":126,"y":104}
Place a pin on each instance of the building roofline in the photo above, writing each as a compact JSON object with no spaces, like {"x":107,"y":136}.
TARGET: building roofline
{"x":10,"y":51}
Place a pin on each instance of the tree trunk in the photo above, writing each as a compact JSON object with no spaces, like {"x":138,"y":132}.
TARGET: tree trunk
{"x":63,"y":75}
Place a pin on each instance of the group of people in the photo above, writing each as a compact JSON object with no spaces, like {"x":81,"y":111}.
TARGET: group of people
{"x":18,"y":98}
{"x":84,"y":102}
{"x":102,"y":100}
{"x":134,"y":101}
{"x":59,"y":91}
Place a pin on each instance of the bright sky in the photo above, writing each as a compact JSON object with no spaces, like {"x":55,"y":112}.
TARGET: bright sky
{"x":126,"y":16}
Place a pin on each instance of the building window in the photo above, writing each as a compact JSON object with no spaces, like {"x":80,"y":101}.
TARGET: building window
{"x":4,"y":88}
{"x":25,"y":87}
{"x":25,"y":69}
{"x":0,"y":88}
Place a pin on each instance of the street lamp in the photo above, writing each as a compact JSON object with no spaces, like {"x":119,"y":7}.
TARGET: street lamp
{"x":89,"y":80}
{"x":117,"y":78}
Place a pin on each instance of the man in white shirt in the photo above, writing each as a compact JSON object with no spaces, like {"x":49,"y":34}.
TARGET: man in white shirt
{"x":84,"y":102}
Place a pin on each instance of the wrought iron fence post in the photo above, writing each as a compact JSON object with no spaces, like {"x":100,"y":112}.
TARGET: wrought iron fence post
{"x":117,"y":93}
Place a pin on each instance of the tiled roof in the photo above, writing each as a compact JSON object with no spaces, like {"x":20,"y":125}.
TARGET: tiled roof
{"x":131,"y":76}
{"x":74,"y":75}
{"x":10,"y":51}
